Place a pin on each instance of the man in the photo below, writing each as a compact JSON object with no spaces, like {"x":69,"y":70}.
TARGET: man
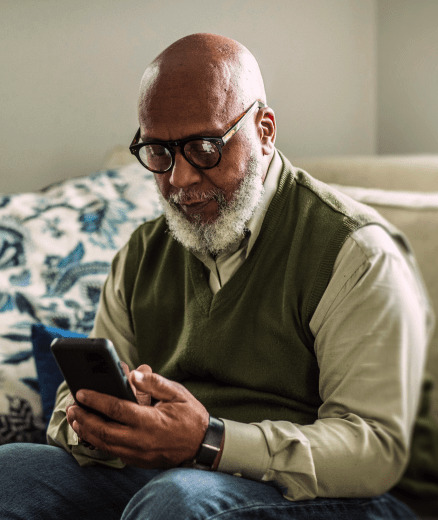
{"x":269,"y":325}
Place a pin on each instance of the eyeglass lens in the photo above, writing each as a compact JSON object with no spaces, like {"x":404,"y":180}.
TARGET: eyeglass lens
{"x":156,"y":157}
{"x":198,"y":152}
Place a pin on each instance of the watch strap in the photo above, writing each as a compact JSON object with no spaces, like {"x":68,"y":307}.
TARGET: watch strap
{"x":211,"y":444}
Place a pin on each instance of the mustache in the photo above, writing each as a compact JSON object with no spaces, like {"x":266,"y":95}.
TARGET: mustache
{"x":186,"y":197}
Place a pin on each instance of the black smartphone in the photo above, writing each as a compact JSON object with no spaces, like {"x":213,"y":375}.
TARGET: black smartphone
{"x":92,"y":364}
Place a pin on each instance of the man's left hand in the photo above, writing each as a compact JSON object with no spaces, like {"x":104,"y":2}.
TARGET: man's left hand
{"x":161,"y":436}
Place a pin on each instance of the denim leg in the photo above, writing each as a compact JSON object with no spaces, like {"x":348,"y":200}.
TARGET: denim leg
{"x":41,"y":482}
{"x":198,"y":495}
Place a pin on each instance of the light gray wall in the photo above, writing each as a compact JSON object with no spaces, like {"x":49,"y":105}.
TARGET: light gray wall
{"x":70,"y":75}
{"x":407,"y":76}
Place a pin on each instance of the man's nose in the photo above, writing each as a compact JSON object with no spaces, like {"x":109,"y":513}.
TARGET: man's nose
{"x":183,"y":173}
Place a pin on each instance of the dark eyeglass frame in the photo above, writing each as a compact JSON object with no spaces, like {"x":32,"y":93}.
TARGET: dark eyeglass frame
{"x":170,"y":146}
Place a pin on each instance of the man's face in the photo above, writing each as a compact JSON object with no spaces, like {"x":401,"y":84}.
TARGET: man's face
{"x":198,"y":199}
{"x":197,"y":193}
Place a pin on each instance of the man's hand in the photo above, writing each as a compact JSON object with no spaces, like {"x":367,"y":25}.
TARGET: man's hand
{"x":161,"y":436}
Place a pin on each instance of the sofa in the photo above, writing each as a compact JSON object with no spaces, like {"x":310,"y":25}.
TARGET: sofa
{"x":56,"y":246}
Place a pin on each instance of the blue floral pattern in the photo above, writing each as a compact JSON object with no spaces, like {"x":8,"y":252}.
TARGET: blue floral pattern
{"x":56,"y":247}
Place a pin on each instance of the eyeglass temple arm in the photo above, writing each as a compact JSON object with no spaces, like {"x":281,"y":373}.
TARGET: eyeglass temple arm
{"x":135,"y":140}
{"x":257,"y":104}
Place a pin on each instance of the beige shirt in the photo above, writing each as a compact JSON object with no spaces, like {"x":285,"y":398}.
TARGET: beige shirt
{"x":371,"y":331}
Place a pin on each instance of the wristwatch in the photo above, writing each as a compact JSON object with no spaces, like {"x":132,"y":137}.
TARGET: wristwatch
{"x":211,"y":445}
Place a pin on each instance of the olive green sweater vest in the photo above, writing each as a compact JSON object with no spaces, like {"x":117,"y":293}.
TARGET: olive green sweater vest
{"x":247,"y":352}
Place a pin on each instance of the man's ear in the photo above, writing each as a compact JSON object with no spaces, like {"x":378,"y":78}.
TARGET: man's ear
{"x":267,"y":130}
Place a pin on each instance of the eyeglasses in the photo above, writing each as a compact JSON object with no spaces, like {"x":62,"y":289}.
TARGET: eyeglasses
{"x":201,"y":152}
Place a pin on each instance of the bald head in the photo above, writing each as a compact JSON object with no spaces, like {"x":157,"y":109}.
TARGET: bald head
{"x":202,"y":72}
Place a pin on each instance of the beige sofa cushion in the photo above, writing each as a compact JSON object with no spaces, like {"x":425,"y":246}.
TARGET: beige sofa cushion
{"x":387,"y":172}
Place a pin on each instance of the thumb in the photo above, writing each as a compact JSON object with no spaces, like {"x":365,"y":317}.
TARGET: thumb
{"x":157,"y":386}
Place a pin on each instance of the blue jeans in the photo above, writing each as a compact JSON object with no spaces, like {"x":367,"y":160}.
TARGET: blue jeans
{"x":44,"y":482}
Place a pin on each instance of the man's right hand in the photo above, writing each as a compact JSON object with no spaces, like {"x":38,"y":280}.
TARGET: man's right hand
{"x":165,"y":435}
{"x":142,"y":398}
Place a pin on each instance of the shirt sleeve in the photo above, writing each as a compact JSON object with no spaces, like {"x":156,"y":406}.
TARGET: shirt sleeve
{"x":371,"y":331}
{"x":111,"y":322}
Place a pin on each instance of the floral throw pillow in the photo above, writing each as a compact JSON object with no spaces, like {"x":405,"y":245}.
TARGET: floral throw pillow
{"x":56,"y":247}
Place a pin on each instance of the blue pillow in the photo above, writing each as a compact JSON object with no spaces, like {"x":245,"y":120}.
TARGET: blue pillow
{"x":49,"y":375}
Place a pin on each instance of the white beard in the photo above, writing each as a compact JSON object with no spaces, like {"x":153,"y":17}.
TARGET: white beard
{"x":229,"y":228}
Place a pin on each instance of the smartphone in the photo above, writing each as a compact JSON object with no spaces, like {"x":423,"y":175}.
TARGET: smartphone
{"x":92,"y":364}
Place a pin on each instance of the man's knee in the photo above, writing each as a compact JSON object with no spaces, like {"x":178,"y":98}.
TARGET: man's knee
{"x":184,"y":484}
{"x":45,"y":482}
{"x":178,"y":493}
{"x":18,"y":457}
{"x":25,"y":469}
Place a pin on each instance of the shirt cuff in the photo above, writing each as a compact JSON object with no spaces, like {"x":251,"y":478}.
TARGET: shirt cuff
{"x":245,"y":452}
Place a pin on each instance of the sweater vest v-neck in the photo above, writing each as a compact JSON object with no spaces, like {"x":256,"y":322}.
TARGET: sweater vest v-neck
{"x":246,"y":352}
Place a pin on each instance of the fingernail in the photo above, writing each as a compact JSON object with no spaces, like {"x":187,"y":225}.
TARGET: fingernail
{"x":138,"y":376}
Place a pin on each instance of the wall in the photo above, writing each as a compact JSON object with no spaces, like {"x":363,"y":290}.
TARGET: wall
{"x":407,"y":76}
{"x":70,"y":75}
